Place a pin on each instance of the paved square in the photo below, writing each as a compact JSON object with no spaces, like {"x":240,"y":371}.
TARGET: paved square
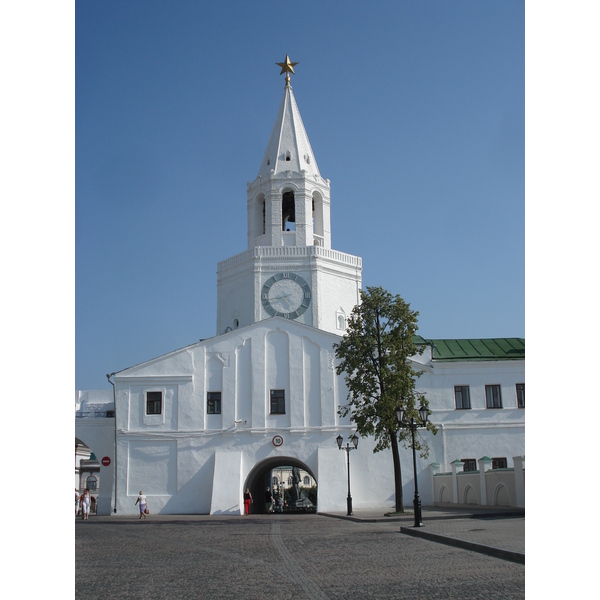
{"x":278,"y":556}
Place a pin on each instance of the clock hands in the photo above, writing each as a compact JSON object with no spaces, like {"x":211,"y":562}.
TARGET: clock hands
{"x":284,"y":297}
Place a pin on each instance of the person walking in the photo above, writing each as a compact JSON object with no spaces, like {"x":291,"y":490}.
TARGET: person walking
{"x":247,"y":501}
{"x":76,"y":501}
{"x":85,"y":505}
{"x":269,"y":500}
{"x":143,"y":504}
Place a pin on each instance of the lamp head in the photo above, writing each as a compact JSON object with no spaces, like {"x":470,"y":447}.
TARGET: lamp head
{"x":400,"y":415}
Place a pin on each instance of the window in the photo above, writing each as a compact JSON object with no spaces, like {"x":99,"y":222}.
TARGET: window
{"x":306,"y":481}
{"x":493,"y":399}
{"x":499,"y":463}
{"x":91,"y":483}
{"x":470,"y":464}
{"x":461,"y":396}
{"x":213,"y":403}
{"x":520,"y":395}
{"x":288,"y":211}
{"x":278,"y":402}
{"x":153,"y":403}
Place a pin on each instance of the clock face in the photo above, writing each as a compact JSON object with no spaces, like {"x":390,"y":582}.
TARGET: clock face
{"x":285,"y":295}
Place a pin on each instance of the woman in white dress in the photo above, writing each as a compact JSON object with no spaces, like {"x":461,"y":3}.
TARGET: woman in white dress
{"x":85,"y":505}
{"x":142,"y":502}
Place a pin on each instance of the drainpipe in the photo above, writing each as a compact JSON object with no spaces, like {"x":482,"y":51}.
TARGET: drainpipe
{"x":115,"y":412}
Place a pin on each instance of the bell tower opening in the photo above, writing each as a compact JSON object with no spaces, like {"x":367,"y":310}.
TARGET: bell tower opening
{"x":288,"y":211}
{"x":318,"y":220}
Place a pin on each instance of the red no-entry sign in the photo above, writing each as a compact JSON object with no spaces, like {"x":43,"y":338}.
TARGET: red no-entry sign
{"x":106,"y":461}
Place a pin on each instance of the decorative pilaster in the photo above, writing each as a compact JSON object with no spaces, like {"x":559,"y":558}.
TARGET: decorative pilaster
{"x":485,"y":464}
{"x":457,"y":467}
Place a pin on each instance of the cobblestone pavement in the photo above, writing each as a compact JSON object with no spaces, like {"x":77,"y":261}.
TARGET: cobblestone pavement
{"x":502,"y":533}
{"x":497,"y":533}
{"x":279,"y":556}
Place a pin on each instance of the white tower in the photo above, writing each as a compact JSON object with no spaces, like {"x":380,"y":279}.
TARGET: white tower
{"x":289,"y":269}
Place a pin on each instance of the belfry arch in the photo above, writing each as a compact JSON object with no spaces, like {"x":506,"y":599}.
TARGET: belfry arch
{"x":260,"y":477}
{"x":318,"y":219}
{"x":288,"y":211}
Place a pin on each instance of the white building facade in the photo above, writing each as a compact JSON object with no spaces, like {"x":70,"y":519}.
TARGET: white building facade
{"x":196,"y":427}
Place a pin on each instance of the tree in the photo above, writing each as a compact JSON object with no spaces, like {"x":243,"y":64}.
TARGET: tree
{"x":375,"y":356}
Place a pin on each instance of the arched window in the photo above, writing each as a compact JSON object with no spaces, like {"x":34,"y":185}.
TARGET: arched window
{"x":288,"y":212}
{"x":318,"y":219}
{"x":91,"y":483}
{"x":258,"y":216}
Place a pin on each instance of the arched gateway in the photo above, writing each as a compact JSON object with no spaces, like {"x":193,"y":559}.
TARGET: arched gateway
{"x":269,"y":472}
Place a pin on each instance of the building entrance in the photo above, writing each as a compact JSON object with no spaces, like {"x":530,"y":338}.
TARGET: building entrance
{"x":291,"y":483}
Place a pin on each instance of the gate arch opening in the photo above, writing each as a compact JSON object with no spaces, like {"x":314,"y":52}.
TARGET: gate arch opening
{"x":287,"y":478}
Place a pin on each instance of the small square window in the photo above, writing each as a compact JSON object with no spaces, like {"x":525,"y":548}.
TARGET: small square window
{"x":462,"y":397}
{"x":520,"y":395}
{"x":493,"y":399}
{"x":470,"y":464}
{"x":213,"y":403}
{"x":278,"y":402}
{"x":153,"y":403}
{"x":499,"y":463}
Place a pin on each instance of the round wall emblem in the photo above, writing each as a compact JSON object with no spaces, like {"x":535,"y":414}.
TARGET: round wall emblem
{"x":277,"y":440}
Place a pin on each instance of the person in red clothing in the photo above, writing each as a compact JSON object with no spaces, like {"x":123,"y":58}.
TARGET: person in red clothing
{"x":247,"y":501}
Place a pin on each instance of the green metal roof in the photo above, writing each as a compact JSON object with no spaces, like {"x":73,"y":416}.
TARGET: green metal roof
{"x":476,"y":349}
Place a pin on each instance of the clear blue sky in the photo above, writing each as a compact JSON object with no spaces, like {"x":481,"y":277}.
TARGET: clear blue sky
{"x":415,"y":112}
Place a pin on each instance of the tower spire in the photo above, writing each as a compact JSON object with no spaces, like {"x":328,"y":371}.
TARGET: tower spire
{"x":288,"y":150}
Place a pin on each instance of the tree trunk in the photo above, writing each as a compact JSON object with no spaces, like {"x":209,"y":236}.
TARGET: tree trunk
{"x":397,"y":472}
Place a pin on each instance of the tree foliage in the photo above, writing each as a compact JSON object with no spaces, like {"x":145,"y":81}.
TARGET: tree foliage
{"x":374,"y":356}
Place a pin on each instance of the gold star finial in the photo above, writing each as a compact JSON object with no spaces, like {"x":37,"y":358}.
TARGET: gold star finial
{"x":287,"y":67}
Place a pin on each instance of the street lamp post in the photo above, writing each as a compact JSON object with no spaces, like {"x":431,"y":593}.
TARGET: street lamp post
{"x":354,"y":440}
{"x":413,"y":426}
